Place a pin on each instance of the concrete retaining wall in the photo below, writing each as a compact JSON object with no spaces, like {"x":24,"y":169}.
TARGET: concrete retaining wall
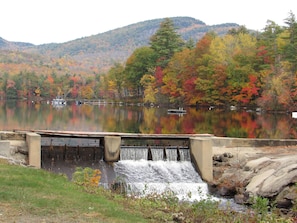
{"x":5,"y":148}
{"x":24,"y":147}
{"x":112,"y":145}
{"x":8,"y":135}
{"x":28,"y":146}
{"x":201,"y":155}
{"x":242,"y":142}
{"x":34,"y":148}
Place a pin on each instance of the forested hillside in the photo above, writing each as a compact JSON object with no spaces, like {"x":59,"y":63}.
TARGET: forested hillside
{"x":99,"y":52}
{"x":239,"y":69}
{"x":6,"y":45}
{"x":171,"y":61}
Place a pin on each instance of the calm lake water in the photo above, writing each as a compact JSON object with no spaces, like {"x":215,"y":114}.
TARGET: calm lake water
{"x":26,"y":115}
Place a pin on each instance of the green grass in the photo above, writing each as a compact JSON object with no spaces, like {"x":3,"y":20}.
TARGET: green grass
{"x":42,"y":194}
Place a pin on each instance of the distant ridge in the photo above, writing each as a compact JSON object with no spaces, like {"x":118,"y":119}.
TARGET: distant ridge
{"x":104,"y":49}
{"x":7,"y":45}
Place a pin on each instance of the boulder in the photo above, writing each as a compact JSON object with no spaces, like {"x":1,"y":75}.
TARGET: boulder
{"x":271,"y":174}
{"x":272,"y":177}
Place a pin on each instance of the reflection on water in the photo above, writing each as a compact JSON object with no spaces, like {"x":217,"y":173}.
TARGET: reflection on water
{"x":138,"y":119}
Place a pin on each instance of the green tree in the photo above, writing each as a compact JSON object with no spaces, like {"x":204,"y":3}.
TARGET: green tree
{"x":236,"y":31}
{"x":116,"y":76}
{"x":269,"y":41}
{"x":290,"y":49}
{"x":11,"y":91}
{"x":238,"y":54}
{"x":141,"y":62}
{"x":279,"y":90}
{"x":3,"y":81}
{"x":190,"y":44}
{"x":165,"y":42}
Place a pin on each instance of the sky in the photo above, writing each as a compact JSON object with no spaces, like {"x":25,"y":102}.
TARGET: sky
{"x":58,"y":21}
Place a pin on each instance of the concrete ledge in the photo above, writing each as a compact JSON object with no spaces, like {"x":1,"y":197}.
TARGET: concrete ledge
{"x":5,"y":148}
{"x":246,"y":142}
{"x":8,"y":135}
{"x":112,"y":145}
{"x":34,"y":145}
{"x":201,"y":154}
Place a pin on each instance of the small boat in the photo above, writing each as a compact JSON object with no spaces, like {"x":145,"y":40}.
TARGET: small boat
{"x":176,"y":111}
{"x":59,"y":101}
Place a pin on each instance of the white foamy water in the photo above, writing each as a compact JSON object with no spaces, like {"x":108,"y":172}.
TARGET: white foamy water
{"x":149,"y":177}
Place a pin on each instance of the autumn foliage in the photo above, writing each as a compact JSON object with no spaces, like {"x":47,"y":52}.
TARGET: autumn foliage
{"x":241,"y":68}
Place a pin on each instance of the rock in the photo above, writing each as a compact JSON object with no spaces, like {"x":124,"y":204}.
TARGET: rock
{"x":254,"y":165}
{"x":255,"y":183}
{"x":228,"y":155}
{"x":284,"y":203}
{"x":278,"y":180}
{"x":178,"y":217}
{"x":265,"y":172}
{"x":271,"y":175}
{"x":287,"y":197}
{"x":239,"y":199}
{"x":226,"y":190}
{"x":220,"y":158}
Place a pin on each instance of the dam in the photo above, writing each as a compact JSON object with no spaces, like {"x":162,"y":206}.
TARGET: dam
{"x":112,"y":147}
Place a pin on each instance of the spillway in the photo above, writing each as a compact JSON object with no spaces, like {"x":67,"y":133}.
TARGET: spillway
{"x":144,"y":177}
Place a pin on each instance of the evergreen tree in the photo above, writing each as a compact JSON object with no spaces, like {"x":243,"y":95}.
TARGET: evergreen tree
{"x":165,"y":42}
{"x":290,"y":50}
{"x":236,"y":31}
{"x":269,"y":39}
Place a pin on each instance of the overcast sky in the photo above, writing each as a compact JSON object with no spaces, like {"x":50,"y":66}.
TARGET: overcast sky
{"x":47,"y":21}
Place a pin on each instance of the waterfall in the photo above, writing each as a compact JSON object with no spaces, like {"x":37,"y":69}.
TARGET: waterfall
{"x":171,"y":153}
{"x":134,"y":153}
{"x":158,"y":177}
{"x":157,"y":153}
{"x":184,"y":154}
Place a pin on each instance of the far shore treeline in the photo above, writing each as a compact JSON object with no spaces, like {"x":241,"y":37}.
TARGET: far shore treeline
{"x":241,"y":68}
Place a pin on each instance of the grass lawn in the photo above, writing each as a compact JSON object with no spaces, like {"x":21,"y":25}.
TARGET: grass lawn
{"x":30,"y":195}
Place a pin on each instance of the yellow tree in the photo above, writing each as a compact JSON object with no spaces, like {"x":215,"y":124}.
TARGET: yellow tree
{"x":116,"y":77}
{"x":237,"y":53}
{"x":148,"y":83}
{"x":112,"y":88}
{"x":86,"y":92}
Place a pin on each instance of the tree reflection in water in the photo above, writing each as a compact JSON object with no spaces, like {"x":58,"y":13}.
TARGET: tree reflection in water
{"x":138,"y":119}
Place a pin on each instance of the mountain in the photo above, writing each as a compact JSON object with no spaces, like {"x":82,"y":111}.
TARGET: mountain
{"x":4,"y":44}
{"x":99,"y":52}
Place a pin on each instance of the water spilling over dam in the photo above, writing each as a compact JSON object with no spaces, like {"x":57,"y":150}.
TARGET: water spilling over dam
{"x":144,"y":177}
{"x":145,"y":169}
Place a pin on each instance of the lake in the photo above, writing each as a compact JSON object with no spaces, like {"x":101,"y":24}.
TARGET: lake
{"x":26,"y":115}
